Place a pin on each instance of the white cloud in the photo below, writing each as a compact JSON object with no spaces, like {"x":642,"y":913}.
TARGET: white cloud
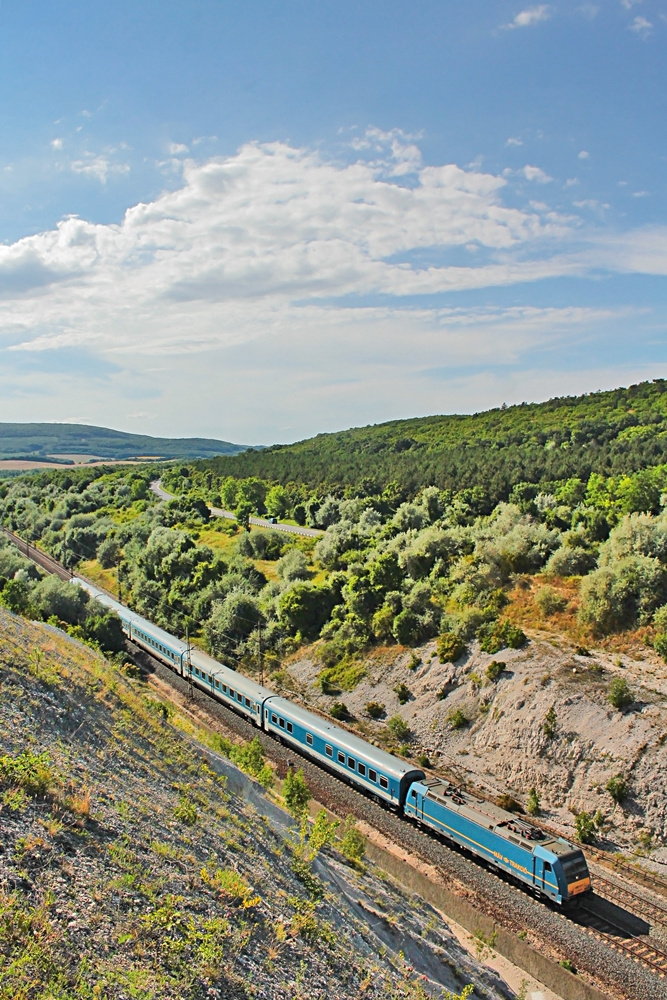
{"x":641,"y":27}
{"x":530,"y":16}
{"x":535,"y":174}
{"x":56,"y":143}
{"x":589,"y":10}
{"x":629,"y":4}
{"x":640,"y":194}
{"x":99,"y":167}
{"x":583,"y":155}
{"x":297,"y":280}
{"x":514,"y":142}
{"x":176,"y":148}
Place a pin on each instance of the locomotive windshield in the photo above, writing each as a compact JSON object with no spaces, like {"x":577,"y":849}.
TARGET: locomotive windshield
{"x":574,"y":866}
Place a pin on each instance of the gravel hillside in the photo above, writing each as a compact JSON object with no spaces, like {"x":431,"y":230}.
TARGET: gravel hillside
{"x":135,"y":862}
{"x":503,"y":743}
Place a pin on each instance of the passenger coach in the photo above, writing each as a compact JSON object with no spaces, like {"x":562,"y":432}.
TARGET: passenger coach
{"x":359,"y":763}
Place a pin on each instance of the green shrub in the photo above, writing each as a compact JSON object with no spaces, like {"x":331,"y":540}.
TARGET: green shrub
{"x":619,"y":694}
{"x":617,"y":787}
{"x":186,"y":811}
{"x":457,"y":719}
{"x":403,"y":693}
{"x":27,"y":770}
{"x":533,"y":806}
{"x":352,"y":843}
{"x":497,"y":635}
{"x":549,"y":601}
{"x":398,"y":727}
{"x":338,"y":710}
{"x":586,"y":826}
{"x":549,"y":724}
{"x":250,"y":757}
{"x":296,"y":793}
{"x":660,"y":644}
{"x":494,"y":669}
{"x":375,"y":709}
{"x":423,"y":760}
{"x":450,"y":647}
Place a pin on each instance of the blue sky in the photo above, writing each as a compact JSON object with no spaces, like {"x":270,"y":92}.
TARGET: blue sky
{"x":262,"y":220}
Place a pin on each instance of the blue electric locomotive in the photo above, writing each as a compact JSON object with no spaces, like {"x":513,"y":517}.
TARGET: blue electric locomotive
{"x":549,"y":865}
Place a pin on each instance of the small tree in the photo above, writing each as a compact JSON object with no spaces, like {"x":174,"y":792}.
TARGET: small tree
{"x":353,"y":843}
{"x":243,"y":512}
{"x":375,"y":709}
{"x":338,"y":710}
{"x":398,"y":727}
{"x":296,"y":793}
{"x":450,"y":647}
{"x":549,"y":601}
{"x":619,"y":694}
{"x":495,"y":669}
{"x":549,"y":724}
{"x":533,"y":807}
{"x":584,"y":828}
{"x":323,"y":832}
{"x":403,"y":693}
{"x":617,"y":787}
{"x":457,"y":719}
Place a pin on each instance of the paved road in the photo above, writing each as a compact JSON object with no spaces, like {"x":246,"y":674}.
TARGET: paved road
{"x":261,"y":522}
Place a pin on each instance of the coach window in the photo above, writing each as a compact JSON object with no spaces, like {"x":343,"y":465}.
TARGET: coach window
{"x":281,"y":723}
{"x":274,"y":719}
{"x":290,"y":727}
{"x":232,"y":693}
{"x":362,"y":769}
{"x":341,"y":757}
{"x":350,"y":763}
{"x":383,"y":782}
{"x":328,"y":750}
{"x":247,"y":701}
{"x":372,"y":774}
{"x":309,"y":739}
{"x":224,"y":688}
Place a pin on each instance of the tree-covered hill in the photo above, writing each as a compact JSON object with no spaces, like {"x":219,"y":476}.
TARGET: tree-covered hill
{"x":42,"y":440}
{"x":612,"y":432}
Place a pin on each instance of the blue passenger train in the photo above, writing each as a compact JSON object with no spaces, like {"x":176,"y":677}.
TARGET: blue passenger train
{"x":550,"y":866}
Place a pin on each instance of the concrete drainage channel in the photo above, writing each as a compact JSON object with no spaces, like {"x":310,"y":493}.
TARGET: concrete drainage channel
{"x":506,"y":943}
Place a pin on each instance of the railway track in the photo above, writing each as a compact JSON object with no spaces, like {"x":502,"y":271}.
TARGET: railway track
{"x":629,"y":900}
{"x":619,"y":938}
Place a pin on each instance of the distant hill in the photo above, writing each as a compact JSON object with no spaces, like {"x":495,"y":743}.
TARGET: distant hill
{"x":612,"y":432}
{"x":40,"y":441}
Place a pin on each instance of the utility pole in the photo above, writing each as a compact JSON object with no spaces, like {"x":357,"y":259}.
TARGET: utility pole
{"x":191,"y":690}
{"x":259,"y":645}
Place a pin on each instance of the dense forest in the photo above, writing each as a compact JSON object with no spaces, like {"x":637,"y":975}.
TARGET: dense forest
{"x":610,"y":433}
{"x":441,"y":564}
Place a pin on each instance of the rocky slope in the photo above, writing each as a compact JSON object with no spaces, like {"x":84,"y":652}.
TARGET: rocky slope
{"x":136,"y":862}
{"x":504,"y":744}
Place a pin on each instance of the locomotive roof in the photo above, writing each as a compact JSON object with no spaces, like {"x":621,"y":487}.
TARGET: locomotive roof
{"x":385,"y":762}
{"x":486,"y":814}
{"x":241,"y":683}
